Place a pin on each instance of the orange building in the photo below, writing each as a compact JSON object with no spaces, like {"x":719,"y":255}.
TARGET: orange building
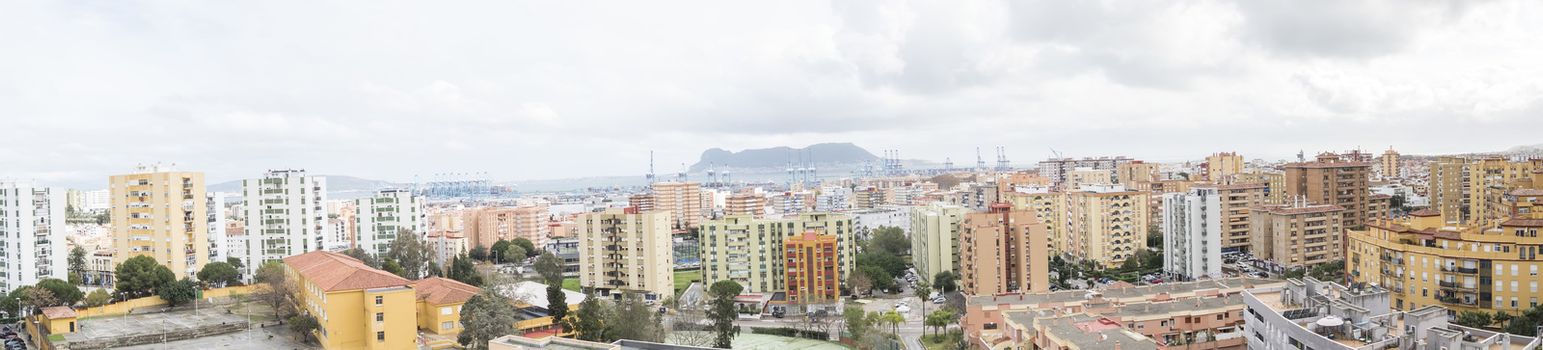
{"x":811,"y":268}
{"x":1003,"y":251}
{"x":745,"y":204}
{"x":485,"y":226}
{"x":1333,"y":180}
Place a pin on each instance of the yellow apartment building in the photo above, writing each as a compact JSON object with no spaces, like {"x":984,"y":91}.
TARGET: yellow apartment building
{"x":1222,"y":165}
{"x":626,"y":251}
{"x":749,"y":251}
{"x":1236,"y":201}
{"x":1459,"y":185}
{"x":1332,"y":180}
{"x":1049,"y":208}
{"x":439,"y":302}
{"x":1105,"y":224}
{"x":683,"y":200}
{"x":161,"y":214}
{"x":1424,"y":260}
{"x":358,"y":307}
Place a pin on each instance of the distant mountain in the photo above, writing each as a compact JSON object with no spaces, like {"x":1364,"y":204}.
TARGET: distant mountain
{"x":338,"y":186}
{"x":1525,"y":150}
{"x":776,"y":157}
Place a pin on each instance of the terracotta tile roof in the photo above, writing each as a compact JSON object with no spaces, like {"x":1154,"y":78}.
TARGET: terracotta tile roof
{"x":336,"y":272}
{"x":1425,"y":212}
{"x":58,"y":312}
{"x":440,"y":291}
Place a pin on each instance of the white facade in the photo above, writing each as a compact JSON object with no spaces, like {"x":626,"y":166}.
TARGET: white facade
{"x":284,"y":216}
{"x":935,"y":237}
{"x":385,"y":214}
{"x":833,"y":199}
{"x":32,"y":234}
{"x":99,"y":200}
{"x":219,"y":245}
{"x":1192,"y":231}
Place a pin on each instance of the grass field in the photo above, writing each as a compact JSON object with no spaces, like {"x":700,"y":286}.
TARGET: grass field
{"x":683,"y":278}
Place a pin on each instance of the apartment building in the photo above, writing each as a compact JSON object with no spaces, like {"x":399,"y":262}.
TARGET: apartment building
{"x":32,"y":234}
{"x":1235,"y":201}
{"x":752,"y":204}
{"x":1089,"y":176}
{"x":1003,"y":251}
{"x":485,"y":226}
{"x":1332,"y":180}
{"x":833,"y":199}
{"x":1379,"y":206}
{"x":624,"y":251}
{"x":383,"y":216}
{"x":1057,"y":169}
{"x":811,"y":269}
{"x":935,"y":237}
{"x":1048,"y":207}
{"x":162,"y":214}
{"x":1390,"y":165}
{"x":1219,"y":166}
{"x":219,"y":244}
{"x":1459,"y":185}
{"x":683,"y":200}
{"x":356,"y":306}
{"x":1274,"y":184}
{"x":749,"y":251}
{"x":1134,"y":172}
{"x":285,"y":216}
{"x":1204,"y":314}
{"x":1297,"y":234}
{"x":1309,"y":314}
{"x":1192,"y":230}
{"x":1424,"y":261}
{"x":1105,"y":224}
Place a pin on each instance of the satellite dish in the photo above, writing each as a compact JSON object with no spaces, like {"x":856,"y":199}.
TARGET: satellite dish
{"x":1331,"y":321}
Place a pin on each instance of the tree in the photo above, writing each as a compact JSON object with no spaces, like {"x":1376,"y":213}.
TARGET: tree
{"x":410,"y":253}
{"x":530,"y":248}
{"x":881,"y":280}
{"x":589,"y":321}
{"x":1502,"y":318}
{"x":890,"y":263}
{"x":179,"y":292}
{"x":276,"y":290}
{"x":479,"y":253}
{"x":557,"y":306}
{"x":888,"y":240}
{"x":721,"y":312}
{"x":303,"y":326}
{"x":392,"y":267}
{"x":632,"y":319}
{"x":939,"y":320}
{"x":77,"y":265}
{"x":1154,"y":237}
{"x":515,"y":253}
{"x":434,"y":270}
{"x":97,"y":298}
{"x":461,"y":269}
{"x":860,"y":284}
{"x":219,"y":274}
{"x":141,"y":276}
{"x":893,"y":319}
{"x":66,"y":293}
{"x":235,"y":262}
{"x":1473,"y":319}
{"x":359,"y":253}
{"x":550,"y":267}
{"x":946,"y":281}
{"x":498,"y":250}
{"x":35,"y":299}
{"x":485,"y":316}
{"x":856,"y":321}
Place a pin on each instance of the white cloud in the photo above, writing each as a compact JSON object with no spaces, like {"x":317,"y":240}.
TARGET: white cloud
{"x":522,"y":89}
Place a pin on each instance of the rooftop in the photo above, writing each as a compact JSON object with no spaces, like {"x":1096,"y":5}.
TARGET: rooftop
{"x":337,"y":272}
{"x":1091,"y":332}
{"x":441,"y":291}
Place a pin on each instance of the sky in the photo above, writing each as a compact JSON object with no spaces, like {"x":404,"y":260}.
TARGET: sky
{"x":559,"y":89}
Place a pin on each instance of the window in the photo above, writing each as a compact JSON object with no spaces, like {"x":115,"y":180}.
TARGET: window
{"x":1219,"y":316}
{"x":447,"y":325}
{"x":380,"y":317}
{"x":380,"y":300}
{"x":1534,"y":270}
{"x":444,"y":310}
{"x":380,"y":336}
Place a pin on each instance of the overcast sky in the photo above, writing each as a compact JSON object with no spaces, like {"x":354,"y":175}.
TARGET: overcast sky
{"x":555,"y":89}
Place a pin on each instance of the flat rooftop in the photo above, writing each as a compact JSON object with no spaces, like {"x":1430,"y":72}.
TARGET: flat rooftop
{"x":1123,"y":293}
{"x":1091,"y":332}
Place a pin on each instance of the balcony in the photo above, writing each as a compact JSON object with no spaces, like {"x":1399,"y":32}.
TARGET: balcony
{"x":1462,"y":270}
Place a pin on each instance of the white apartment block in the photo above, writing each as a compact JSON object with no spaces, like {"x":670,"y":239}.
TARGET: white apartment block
{"x":284,"y":216}
{"x":935,"y":237}
{"x":219,"y":245}
{"x":1192,"y":231}
{"x":382,"y":216}
{"x":97,"y":201}
{"x":833,"y":199}
{"x":31,"y":234}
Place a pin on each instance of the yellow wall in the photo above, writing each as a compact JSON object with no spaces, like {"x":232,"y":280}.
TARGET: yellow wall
{"x":124,"y":307}
{"x":347,"y":318}
{"x":59,"y":326}
{"x":432,"y":318}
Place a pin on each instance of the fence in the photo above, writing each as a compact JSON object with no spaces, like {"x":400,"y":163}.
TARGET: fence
{"x":127,"y":306}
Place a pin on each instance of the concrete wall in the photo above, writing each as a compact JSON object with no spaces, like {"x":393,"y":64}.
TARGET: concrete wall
{"x":124,"y":307}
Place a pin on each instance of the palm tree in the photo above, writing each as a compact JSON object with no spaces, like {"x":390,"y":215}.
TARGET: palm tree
{"x":894,"y":319}
{"x":923,"y":292}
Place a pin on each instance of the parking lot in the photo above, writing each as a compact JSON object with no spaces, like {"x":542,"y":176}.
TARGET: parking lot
{"x":13,"y":338}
